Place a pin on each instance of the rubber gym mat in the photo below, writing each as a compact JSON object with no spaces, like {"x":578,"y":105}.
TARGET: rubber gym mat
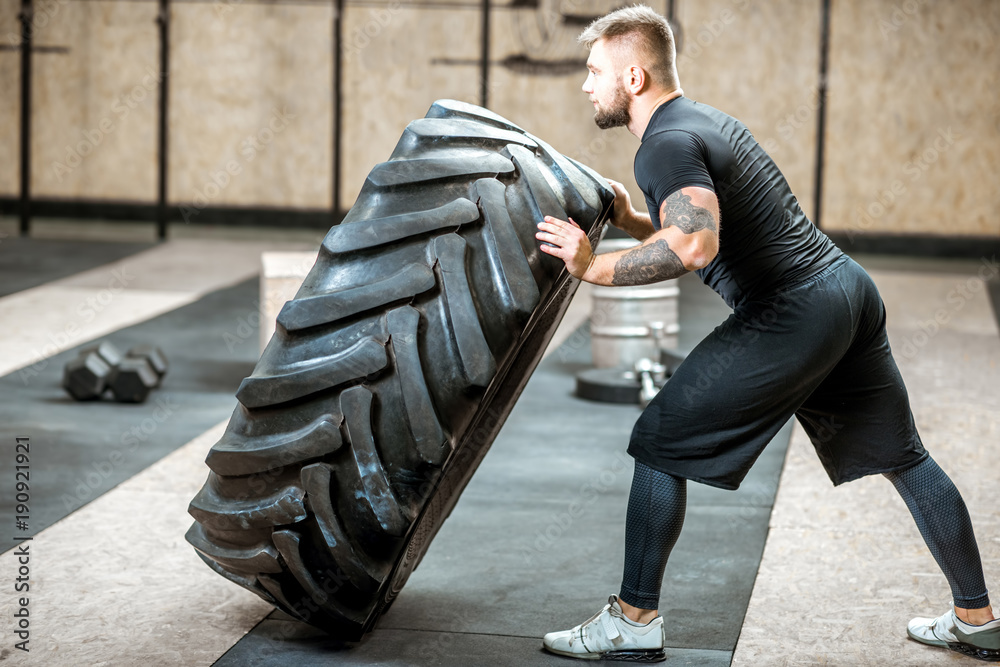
{"x":78,"y":451}
{"x":30,"y":262}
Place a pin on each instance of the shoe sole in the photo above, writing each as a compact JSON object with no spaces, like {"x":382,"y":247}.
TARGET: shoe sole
{"x":632,"y":655}
{"x":984,"y":654}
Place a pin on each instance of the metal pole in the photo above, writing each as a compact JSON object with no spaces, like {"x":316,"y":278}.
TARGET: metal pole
{"x":26,"y":17}
{"x":163,"y":19}
{"x":338,"y":65}
{"x":824,"y":55}
{"x":484,"y":65}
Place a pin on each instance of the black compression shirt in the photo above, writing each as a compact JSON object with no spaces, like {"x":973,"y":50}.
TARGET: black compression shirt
{"x":766,"y":242}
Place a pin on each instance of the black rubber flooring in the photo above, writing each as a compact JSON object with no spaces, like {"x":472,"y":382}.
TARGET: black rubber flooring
{"x":29,"y":262}
{"x":78,"y":451}
{"x":507,"y":566}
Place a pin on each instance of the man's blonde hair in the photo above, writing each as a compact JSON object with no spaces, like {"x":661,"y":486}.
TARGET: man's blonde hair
{"x":641,"y":32}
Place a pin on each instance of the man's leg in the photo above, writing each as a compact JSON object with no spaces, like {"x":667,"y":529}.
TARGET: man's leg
{"x":656,"y":505}
{"x":944,"y":523}
{"x":709,"y":423}
{"x":629,"y":628}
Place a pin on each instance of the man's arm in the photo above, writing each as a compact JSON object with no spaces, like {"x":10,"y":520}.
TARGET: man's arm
{"x":688,"y":240}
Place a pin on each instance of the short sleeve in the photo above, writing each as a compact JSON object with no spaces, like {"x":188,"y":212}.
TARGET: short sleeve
{"x":667,"y":162}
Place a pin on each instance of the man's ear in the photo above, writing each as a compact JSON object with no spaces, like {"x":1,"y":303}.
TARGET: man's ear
{"x":635,"y":79}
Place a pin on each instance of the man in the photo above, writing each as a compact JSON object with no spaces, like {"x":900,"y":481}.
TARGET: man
{"x":806,"y":338}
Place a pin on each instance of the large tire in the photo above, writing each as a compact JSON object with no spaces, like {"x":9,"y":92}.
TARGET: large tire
{"x":393,"y":369}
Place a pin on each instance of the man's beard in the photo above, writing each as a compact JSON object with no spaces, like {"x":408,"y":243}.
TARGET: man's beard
{"x":617,"y":114}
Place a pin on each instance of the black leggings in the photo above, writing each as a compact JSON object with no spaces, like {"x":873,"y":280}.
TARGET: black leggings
{"x":653,"y":522}
{"x":655,"y":516}
{"x":943,"y":520}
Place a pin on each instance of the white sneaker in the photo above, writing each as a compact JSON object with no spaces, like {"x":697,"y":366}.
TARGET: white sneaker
{"x":948,"y":631}
{"x":609,"y":635}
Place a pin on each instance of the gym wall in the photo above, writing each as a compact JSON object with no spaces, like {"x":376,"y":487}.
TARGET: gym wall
{"x":912,"y":120}
{"x":10,"y":85}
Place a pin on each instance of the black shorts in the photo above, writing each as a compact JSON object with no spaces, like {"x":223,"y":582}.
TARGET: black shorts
{"x":817,"y":350}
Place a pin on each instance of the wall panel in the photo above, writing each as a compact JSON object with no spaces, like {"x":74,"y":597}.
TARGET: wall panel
{"x":250,"y":105}
{"x":758,"y":60}
{"x":398,"y":59}
{"x":913,"y":140}
{"x":94,"y":106}
{"x":10,"y":99}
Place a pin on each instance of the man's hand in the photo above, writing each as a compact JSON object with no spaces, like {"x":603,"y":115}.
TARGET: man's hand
{"x":635,"y":224}
{"x":623,"y":205}
{"x":569,"y":244}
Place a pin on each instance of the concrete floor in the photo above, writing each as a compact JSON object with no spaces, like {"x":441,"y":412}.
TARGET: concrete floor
{"x":113,"y":581}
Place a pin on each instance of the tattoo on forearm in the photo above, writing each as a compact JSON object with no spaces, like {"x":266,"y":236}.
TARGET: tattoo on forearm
{"x":679,"y":212}
{"x":648,"y":264}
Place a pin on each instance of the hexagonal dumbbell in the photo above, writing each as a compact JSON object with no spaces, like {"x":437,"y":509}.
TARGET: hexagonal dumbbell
{"x":108,"y":352}
{"x":154,"y":355}
{"x":132,"y":380}
{"x":86,"y":377}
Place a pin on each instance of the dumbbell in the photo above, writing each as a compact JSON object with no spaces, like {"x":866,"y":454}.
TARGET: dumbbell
{"x":130,"y":377}
{"x":154,"y":355}
{"x":136,"y":375}
{"x":86,"y":377}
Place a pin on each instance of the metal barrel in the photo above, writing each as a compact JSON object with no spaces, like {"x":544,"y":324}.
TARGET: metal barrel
{"x":620,"y":318}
